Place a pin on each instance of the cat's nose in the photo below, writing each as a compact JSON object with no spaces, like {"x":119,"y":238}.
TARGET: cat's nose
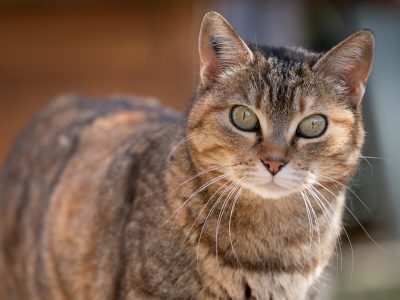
{"x":273,"y":166}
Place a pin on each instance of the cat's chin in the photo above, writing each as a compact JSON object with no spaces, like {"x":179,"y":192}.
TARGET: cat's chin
{"x":270,"y":190}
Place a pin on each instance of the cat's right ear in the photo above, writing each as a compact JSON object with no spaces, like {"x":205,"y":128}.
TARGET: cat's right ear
{"x":220,"y":48}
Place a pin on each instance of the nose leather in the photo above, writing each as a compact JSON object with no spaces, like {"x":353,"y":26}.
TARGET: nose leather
{"x":273,"y":166}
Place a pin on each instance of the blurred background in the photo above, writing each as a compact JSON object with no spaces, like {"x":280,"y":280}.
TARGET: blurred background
{"x":149,"y":48}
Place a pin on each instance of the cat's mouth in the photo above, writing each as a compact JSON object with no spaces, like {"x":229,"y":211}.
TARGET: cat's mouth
{"x":269,"y":190}
{"x":274,"y":186}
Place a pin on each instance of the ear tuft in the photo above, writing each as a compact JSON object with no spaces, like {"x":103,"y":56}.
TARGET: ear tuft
{"x":348,"y":65}
{"x":220,"y":48}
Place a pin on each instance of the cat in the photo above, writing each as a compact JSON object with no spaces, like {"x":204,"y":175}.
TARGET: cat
{"x":241,"y":197}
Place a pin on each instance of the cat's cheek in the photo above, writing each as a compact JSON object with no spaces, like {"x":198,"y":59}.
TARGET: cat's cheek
{"x":339,"y":137}
{"x":353,"y":158}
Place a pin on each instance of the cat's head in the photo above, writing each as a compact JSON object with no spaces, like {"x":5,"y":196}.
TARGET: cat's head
{"x":276,"y":120}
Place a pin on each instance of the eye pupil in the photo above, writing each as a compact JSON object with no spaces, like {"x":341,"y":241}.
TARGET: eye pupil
{"x":244,"y":118}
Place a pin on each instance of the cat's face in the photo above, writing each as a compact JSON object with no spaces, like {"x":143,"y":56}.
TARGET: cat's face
{"x":277,"y":121}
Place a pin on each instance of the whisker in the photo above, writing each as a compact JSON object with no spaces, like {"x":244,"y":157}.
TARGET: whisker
{"x":369,"y":164}
{"x":236,"y":200}
{"x":315,"y":220}
{"x":206,"y":220}
{"x":199,"y":214}
{"x":200,"y":189}
{"x":342,"y":226}
{"x":328,"y":214}
{"x":310,"y":225}
{"x":234,"y":189}
{"x":346,"y":187}
{"x":366,"y":159}
{"x":185,"y":139}
{"x":359,"y":223}
{"x":373,"y":157}
{"x":195,"y":176}
{"x":321,"y":204}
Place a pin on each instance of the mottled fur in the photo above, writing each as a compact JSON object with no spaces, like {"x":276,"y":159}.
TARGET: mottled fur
{"x":120,"y":199}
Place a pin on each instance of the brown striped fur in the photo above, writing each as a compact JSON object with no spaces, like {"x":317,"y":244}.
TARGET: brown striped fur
{"x":121,"y":199}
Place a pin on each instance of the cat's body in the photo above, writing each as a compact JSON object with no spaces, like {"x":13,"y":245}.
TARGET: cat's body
{"x":124,"y":200}
{"x":89,"y":225}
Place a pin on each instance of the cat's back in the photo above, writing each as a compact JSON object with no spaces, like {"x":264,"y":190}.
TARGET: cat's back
{"x":63,"y":193}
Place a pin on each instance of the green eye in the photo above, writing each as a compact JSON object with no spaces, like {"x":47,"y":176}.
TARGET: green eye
{"x":244,"y":119}
{"x":313,"y":126}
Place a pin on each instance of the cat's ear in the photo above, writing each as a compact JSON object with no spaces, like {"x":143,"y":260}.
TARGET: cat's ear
{"x":348,"y":65}
{"x":220,"y":47}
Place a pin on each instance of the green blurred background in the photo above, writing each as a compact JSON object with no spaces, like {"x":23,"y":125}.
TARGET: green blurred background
{"x":149,"y":48}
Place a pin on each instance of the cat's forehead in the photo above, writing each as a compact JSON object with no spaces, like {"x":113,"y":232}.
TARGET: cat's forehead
{"x":277,"y":83}
{"x":280,"y":85}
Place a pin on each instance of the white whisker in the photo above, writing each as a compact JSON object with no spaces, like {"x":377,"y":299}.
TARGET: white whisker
{"x":346,"y":187}
{"x":359,"y":223}
{"x":200,"y":189}
{"x":373,"y":157}
{"x":315,"y":220}
{"x":369,"y":164}
{"x":328,"y":214}
{"x":199,"y":214}
{"x":185,"y":139}
{"x":341,"y":225}
{"x":206,"y":220}
{"x":195,"y":176}
{"x":235,"y":188}
{"x":310,"y":225}
{"x":237,"y":197}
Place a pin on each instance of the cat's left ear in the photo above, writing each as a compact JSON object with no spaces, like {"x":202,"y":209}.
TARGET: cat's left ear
{"x":220,"y":48}
{"x":348,"y":65}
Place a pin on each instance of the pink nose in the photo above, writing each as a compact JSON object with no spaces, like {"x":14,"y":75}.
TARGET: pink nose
{"x":273,"y":166}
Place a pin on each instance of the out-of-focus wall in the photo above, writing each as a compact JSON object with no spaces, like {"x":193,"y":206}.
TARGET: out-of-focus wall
{"x":53,"y":47}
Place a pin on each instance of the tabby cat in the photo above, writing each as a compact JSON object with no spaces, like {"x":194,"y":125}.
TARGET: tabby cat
{"x":241,"y":197}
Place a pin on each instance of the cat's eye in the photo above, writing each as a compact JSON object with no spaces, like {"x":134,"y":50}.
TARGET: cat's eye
{"x":244,"y":118}
{"x":312,"y":127}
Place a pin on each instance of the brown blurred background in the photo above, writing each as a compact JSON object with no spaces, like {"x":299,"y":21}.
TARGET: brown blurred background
{"x":149,"y":48}
{"x":142,"y":48}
